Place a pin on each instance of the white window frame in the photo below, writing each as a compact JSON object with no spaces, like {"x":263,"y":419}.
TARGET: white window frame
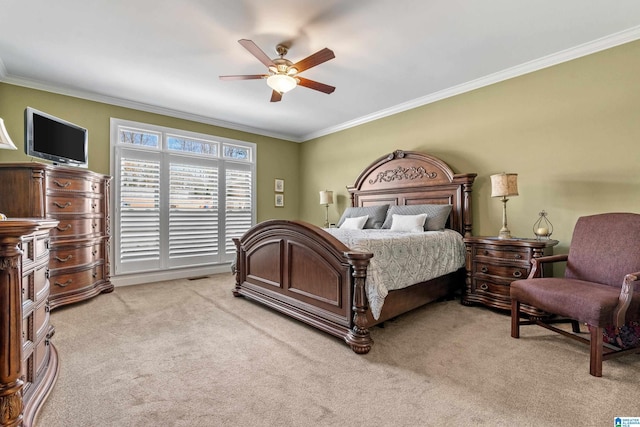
{"x":165,"y":271}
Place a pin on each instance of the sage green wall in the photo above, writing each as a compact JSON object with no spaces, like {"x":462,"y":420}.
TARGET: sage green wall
{"x":276,"y":158}
{"x":571,"y":132}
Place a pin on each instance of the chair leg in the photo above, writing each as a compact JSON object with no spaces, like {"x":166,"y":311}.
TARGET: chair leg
{"x":595,"y":361}
{"x":575,"y":326}
{"x":515,"y":318}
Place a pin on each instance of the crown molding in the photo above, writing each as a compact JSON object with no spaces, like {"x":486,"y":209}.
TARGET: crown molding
{"x":3,"y":70}
{"x":585,"y":49}
{"x":120,"y":102}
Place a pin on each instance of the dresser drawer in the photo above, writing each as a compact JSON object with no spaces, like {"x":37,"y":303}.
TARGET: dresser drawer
{"x":41,"y":320}
{"x":77,"y":228}
{"x":63,"y":283}
{"x":511,"y":254}
{"x":61,"y":182}
{"x":508,"y":272}
{"x":66,"y":256}
{"x":40,"y":357}
{"x":70,"y":204}
{"x":35,"y":284}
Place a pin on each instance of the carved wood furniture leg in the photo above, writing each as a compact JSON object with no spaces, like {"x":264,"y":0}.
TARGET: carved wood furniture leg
{"x":359,"y":338}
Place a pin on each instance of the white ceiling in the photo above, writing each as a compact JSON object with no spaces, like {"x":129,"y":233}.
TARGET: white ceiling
{"x":391,"y":55}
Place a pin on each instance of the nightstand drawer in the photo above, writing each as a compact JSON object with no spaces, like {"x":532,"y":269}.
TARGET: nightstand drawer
{"x":505,"y":271}
{"x":486,"y":286}
{"x":510,"y":254}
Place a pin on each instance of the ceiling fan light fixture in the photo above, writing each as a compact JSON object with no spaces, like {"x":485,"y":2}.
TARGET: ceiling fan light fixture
{"x":281,"y":82}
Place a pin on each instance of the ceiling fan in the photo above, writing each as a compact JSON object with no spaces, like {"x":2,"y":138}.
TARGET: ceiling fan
{"x":283,"y":74}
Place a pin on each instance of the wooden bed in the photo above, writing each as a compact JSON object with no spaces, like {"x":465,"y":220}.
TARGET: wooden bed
{"x":302,"y":271}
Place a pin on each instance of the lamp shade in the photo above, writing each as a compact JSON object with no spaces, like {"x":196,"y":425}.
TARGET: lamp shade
{"x":5,"y":140}
{"x":281,"y":82}
{"x":326,"y":197}
{"x":504,"y":184}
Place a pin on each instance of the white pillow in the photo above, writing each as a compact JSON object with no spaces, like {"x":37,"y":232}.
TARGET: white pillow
{"x":413,"y":223}
{"x":355,"y":223}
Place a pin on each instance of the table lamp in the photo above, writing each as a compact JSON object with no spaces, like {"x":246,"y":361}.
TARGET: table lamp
{"x":326,"y":199}
{"x":504,"y":185}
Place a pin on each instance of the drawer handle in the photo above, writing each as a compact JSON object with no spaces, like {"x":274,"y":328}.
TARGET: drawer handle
{"x":93,"y":206}
{"x":517,"y":256}
{"x":94,"y":252}
{"x":63,"y":285}
{"x":65,"y":259}
{"x":94,"y":275}
{"x":59,"y":184}
{"x":484,"y":269}
{"x":486,"y":252}
{"x":517,"y":273}
{"x":62,"y":206}
{"x":93,"y":187}
{"x":94,"y":225}
{"x":484,"y":286}
{"x":65,"y":228}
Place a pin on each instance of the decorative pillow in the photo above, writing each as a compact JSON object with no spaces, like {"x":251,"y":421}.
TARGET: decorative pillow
{"x":413,"y":223}
{"x":437,"y":215}
{"x":376,"y":215}
{"x":355,"y":223}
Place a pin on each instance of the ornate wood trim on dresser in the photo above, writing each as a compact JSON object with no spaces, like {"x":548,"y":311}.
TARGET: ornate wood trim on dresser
{"x":28,"y":360}
{"x":79,"y":200}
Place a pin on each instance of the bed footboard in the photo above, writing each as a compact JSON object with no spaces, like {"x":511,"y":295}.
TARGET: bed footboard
{"x":302,"y":271}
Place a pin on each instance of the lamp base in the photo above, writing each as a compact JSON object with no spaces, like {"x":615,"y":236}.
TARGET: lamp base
{"x":504,"y":234}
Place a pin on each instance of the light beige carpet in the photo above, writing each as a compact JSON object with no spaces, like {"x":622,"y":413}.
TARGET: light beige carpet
{"x":187,"y":353}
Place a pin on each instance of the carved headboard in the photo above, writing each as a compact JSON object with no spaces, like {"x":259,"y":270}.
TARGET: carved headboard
{"x":412,"y":178}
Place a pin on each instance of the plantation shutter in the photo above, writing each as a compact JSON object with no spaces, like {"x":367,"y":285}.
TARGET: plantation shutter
{"x":193,"y":213}
{"x":180,"y":198}
{"x":139,"y":205}
{"x":238,"y":204}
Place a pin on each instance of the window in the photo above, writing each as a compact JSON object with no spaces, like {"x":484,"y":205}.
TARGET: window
{"x":179,"y":197}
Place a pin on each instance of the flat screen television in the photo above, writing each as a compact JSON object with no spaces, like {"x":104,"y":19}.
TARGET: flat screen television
{"x":51,"y":138}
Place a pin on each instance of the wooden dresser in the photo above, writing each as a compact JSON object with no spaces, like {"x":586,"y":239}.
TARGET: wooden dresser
{"x":79,"y":200}
{"x":492,"y":264}
{"x":28,"y":359}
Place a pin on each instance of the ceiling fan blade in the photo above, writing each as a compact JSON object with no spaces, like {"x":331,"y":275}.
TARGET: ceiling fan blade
{"x":315,"y":85}
{"x":311,"y":61}
{"x":276,"y":96}
{"x":257,"y":52}
{"x":244,"y":77}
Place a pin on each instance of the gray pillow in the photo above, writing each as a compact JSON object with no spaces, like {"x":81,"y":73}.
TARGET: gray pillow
{"x":437,"y":215}
{"x":376,"y":215}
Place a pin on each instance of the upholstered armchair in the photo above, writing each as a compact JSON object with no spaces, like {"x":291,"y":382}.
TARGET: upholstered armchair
{"x":600,"y":288}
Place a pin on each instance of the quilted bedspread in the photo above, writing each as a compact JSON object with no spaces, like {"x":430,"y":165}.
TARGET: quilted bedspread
{"x":401,"y":259}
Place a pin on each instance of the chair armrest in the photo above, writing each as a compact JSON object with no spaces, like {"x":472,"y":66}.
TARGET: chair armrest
{"x":537,"y":263}
{"x":626,"y":293}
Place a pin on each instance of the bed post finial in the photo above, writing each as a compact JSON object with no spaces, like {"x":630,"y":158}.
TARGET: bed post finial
{"x":398,"y":154}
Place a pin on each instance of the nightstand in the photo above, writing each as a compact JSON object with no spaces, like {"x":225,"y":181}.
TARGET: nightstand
{"x":492,"y":264}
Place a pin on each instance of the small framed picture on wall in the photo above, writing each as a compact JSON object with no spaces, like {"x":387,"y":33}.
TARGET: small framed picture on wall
{"x":279,"y":185}
{"x":279,"y":200}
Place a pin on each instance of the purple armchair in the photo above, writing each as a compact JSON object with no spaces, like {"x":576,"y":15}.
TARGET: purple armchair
{"x":603,"y":267}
